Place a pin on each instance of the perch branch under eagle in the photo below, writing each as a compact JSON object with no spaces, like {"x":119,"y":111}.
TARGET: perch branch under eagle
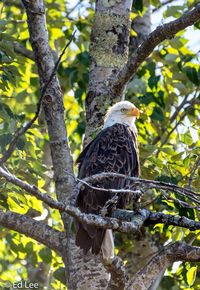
{"x":113,"y":150}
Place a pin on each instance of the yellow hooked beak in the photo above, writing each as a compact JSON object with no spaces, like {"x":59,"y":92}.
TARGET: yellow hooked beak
{"x":135,"y":112}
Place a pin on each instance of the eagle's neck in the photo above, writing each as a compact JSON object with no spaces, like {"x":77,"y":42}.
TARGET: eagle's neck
{"x":112,"y":120}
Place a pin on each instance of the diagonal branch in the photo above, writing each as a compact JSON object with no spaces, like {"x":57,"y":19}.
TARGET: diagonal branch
{"x":178,"y":251}
{"x":18,"y":48}
{"x":165,"y":31}
{"x":21,"y":131}
{"x":37,"y":230}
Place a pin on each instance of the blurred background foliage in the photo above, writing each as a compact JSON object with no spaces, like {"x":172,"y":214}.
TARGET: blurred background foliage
{"x":166,"y":89}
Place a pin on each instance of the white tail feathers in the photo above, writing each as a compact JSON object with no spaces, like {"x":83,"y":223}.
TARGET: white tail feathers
{"x":107,"y":246}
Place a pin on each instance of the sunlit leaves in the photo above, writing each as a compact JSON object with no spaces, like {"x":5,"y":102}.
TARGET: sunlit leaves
{"x":168,"y":148}
{"x":191,"y":275}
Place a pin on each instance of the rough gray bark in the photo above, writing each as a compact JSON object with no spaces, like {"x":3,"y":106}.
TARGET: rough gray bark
{"x":54,"y":111}
{"x":109,"y":54}
{"x":37,"y":230}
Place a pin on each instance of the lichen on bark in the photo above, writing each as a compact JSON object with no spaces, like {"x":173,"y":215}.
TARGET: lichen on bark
{"x":109,"y":47}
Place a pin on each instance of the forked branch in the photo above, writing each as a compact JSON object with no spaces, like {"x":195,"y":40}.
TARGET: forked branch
{"x":165,"y":31}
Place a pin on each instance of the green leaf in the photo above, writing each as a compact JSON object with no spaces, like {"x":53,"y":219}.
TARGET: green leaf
{"x":59,"y":274}
{"x":186,"y":161}
{"x":187,"y":138}
{"x":197,"y":24}
{"x":21,"y":143}
{"x":177,"y":157}
{"x":138,"y":5}
{"x":157,"y":114}
{"x":29,"y":248}
{"x":168,"y":179}
{"x":175,"y":11}
{"x":31,"y":149}
{"x":191,"y":275}
{"x":192,"y":75}
{"x":170,"y":57}
{"x":153,"y":81}
{"x":84,"y":58}
{"x":46,"y":255}
{"x":4,"y":140}
{"x":147,"y":98}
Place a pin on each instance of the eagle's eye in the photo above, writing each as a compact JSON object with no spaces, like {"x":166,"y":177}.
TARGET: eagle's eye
{"x":123,"y":110}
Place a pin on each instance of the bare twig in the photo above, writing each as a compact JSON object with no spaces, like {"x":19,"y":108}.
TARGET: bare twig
{"x":182,"y":116}
{"x":120,"y":220}
{"x":136,"y":193}
{"x":162,"y":5}
{"x":140,"y":181}
{"x":182,"y":203}
{"x":22,"y":130}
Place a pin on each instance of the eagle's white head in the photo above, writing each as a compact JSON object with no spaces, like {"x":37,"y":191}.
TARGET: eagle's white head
{"x":122,"y":112}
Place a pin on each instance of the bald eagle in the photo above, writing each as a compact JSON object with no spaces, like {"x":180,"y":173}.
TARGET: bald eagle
{"x":113,"y":150}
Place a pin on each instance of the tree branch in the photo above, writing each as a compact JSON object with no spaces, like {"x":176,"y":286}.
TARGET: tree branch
{"x":120,"y":220}
{"x":37,"y":230}
{"x":165,"y":31}
{"x":178,"y":251}
{"x":143,"y":184}
{"x":167,"y":219}
{"x":18,"y":48}
{"x":54,"y":115}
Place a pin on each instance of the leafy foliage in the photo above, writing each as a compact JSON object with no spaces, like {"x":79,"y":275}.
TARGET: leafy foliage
{"x":166,"y":89}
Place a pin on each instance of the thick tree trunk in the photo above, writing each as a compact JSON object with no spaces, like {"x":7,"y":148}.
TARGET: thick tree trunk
{"x":109,"y":54}
{"x":54,"y":112}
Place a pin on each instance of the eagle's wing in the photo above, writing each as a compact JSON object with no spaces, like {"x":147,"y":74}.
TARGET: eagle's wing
{"x":113,"y":150}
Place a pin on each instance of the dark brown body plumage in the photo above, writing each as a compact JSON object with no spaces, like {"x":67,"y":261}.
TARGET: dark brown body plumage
{"x":113,"y":150}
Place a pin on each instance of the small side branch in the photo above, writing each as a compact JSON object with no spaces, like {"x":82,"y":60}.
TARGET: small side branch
{"x":148,"y":184}
{"x":18,"y":48}
{"x":167,"y":219}
{"x":161,"y":33}
{"x":37,"y":230}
